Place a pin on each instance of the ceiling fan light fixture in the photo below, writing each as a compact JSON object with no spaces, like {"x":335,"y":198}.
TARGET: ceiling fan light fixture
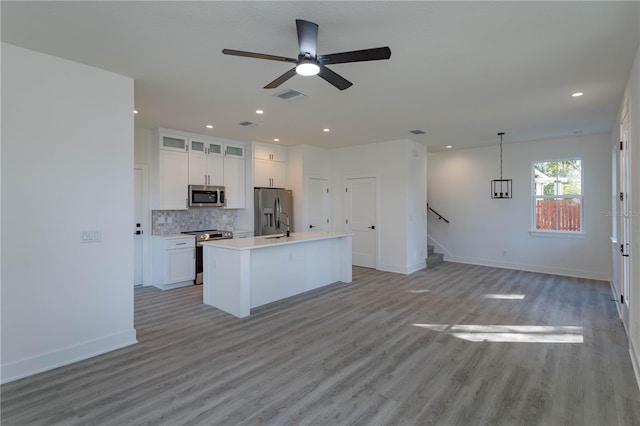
{"x":307,"y":67}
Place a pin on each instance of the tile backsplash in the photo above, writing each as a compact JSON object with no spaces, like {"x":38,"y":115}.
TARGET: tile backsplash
{"x":165,"y":222}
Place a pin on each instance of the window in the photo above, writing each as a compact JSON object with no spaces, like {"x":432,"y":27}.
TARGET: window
{"x":557,"y":199}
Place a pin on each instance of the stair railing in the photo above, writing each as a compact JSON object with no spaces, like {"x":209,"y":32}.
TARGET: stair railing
{"x":440,"y":217}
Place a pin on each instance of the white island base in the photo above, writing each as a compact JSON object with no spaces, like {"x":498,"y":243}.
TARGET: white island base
{"x":241,"y":274}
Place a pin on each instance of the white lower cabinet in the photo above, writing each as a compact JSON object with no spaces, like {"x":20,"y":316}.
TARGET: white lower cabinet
{"x":173,"y":260}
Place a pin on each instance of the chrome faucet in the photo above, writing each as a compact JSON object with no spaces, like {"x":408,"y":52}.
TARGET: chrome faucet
{"x":287,"y":223}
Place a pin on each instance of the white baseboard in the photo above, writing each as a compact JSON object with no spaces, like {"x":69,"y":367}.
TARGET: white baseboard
{"x":49,"y":361}
{"x":416,"y":267}
{"x":616,"y":297}
{"x":449,"y":257}
{"x":532,"y":268}
{"x":635,"y":361}
{"x":402,"y":270}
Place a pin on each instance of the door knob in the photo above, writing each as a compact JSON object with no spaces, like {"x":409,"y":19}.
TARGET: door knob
{"x":311,"y":226}
{"x":372,"y":227}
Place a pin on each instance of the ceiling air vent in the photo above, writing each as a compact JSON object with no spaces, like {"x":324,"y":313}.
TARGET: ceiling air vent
{"x":289,"y":95}
{"x":417,"y":132}
{"x":248,"y":124}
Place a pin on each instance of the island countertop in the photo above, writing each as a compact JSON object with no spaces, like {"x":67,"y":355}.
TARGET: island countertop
{"x":244,"y":273}
{"x":272,"y":240}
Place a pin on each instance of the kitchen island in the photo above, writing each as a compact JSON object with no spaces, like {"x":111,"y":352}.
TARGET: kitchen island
{"x":244,"y":273}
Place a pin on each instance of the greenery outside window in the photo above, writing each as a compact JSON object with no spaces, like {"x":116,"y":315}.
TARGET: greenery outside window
{"x":558,"y":199}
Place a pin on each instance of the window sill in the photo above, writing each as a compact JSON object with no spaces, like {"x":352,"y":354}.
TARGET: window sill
{"x":558,"y":234}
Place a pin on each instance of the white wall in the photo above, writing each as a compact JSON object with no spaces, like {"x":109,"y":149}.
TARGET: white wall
{"x":495,"y":232}
{"x":400,"y":232}
{"x":67,"y":166}
{"x":142,"y":146}
{"x":295,"y":182}
{"x":416,"y":206}
{"x":303,"y":162}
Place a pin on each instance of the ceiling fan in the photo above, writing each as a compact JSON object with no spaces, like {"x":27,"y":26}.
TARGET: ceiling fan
{"x":310,"y":63}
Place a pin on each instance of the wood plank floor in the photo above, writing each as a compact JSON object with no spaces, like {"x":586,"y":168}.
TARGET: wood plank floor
{"x":351,"y":354}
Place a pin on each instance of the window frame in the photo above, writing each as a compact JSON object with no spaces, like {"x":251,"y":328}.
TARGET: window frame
{"x":557,"y":232}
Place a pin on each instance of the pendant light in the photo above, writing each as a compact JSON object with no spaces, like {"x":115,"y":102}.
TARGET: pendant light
{"x":501,"y":188}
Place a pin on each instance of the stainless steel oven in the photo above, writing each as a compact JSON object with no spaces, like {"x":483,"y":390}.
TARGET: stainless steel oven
{"x":209,"y":235}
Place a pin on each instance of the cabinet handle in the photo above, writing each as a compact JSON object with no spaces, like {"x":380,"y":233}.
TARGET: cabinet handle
{"x":181,"y":244}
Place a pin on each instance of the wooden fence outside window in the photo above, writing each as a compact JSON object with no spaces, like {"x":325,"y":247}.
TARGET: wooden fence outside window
{"x":558,"y":214}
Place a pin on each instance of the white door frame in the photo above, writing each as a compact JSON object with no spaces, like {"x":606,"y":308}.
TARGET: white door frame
{"x":146,"y":225}
{"x":624,"y":217}
{"x":377,"y":224}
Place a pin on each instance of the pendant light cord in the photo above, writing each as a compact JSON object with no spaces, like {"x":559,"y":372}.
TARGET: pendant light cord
{"x":501,"y":134}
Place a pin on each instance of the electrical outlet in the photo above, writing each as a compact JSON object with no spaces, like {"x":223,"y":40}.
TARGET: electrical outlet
{"x":169,"y":220}
{"x":160,"y":220}
{"x":504,"y":252}
{"x":93,"y":236}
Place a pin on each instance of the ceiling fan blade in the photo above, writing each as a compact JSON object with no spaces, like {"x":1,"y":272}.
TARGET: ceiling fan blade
{"x":375,"y":54}
{"x":336,"y":79}
{"x":257,"y":55}
{"x":284,"y":77}
{"x":307,"y":37}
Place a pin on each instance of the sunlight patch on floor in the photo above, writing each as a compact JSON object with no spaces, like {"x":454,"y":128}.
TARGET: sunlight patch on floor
{"x":510,"y":333}
{"x":504,"y":296}
{"x":418,"y":291}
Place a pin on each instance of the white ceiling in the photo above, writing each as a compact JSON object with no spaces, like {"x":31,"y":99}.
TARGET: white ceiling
{"x":460,"y":71}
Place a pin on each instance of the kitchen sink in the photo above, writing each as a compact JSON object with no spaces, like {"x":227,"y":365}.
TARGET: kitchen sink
{"x":275,"y":237}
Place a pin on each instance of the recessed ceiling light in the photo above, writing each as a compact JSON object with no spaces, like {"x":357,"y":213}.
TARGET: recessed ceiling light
{"x":259,"y":111}
{"x":276,"y":140}
{"x":135,"y":111}
{"x":575,"y":95}
{"x":326,"y":130}
{"x":209,"y":126}
{"x":449,"y":146}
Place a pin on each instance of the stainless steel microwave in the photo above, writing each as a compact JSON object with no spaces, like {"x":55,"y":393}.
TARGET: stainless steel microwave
{"x":206,"y":196}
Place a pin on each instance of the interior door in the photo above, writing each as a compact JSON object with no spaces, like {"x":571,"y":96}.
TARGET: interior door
{"x":318,"y":205}
{"x":138,"y":191}
{"x":624,"y":220}
{"x":361,"y":220}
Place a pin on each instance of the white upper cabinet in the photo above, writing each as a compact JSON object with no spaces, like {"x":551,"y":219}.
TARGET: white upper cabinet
{"x":170,"y":171}
{"x":269,"y":165}
{"x":272,"y":174}
{"x":234,"y":150}
{"x":234,"y":182}
{"x":180,"y":159}
{"x":205,"y":162}
{"x":173,"y":143}
{"x":270,"y":152}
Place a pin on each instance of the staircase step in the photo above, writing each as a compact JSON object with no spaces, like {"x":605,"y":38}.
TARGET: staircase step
{"x":434,"y":259}
{"x":430,"y":249}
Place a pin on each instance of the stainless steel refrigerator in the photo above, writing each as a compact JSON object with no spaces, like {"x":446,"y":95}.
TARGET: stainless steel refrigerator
{"x":273,"y":211}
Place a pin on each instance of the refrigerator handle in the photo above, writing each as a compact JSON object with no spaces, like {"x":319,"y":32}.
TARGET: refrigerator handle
{"x":278,"y":212}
